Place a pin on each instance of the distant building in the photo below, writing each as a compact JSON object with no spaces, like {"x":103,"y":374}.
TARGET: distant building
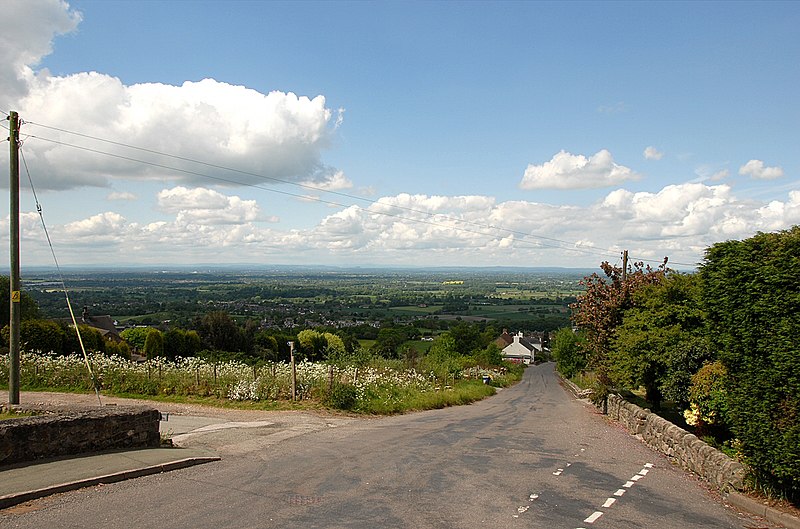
{"x":105,"y":324}
{"x":518,"y":349}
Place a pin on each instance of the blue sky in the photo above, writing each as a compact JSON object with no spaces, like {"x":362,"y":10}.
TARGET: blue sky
{"x":403,"y":133}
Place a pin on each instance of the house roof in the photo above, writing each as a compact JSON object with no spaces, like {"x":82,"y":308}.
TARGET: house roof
{"x":504,"y":340}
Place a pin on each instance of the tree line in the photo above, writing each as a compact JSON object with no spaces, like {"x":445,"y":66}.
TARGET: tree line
{"x":720,"y":344}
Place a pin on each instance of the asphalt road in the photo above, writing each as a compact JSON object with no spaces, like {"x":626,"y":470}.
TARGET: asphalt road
{"x":529,"y":457}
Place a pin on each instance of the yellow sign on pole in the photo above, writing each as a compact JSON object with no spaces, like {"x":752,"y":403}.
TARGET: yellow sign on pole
{"x":15,"y":296}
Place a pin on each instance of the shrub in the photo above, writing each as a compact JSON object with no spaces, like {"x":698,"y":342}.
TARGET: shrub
{"x":708,"y":399}
{"x":342,"y":397}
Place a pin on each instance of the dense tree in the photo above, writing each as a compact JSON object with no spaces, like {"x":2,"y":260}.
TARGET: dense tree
{"x":219,"y":332}
{"x":443,"y":358}
{"x":389,"y":341}
{"x":490,"y":356}
{"x":118,"y":349}
{"x":316,"y":345}
{"x":752,"y":297}
{"x":42,"y":336}
{"x":135,"y":337}
{"x":599,"y":310}
{"x":568,"y":352}
{"x":154,"y":344}
{"x":92,"y":340}
{"x":661,"y":341}
{"x":266,"y":347}
{"x":180,"y":343}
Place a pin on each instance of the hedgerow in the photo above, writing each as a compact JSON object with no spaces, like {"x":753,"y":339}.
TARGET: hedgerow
{"x":752,"y":300}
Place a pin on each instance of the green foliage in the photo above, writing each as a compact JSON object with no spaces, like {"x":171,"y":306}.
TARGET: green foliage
{"x":752,"y":296}
{"x":154,"y":344}
{"x":443,"y":358}
{"x":179,"y":343}
{"x":135,"y":336}
{"x":342,"y":397}
{"x":92,"y":340}
{"x":357,"y":358}
{"x":316,"y":345}
{"x":218,"y":331}
{"x":661,"y":340}
{"x":29,"y":309}
{"x":599,"y":311}
{"x":120,"y":349}
{"x":389,"y":340}
{"x":568,"y":352}
{"x":43,"y":336}
{"x":708,"y":397}
{"x":490,"y":356}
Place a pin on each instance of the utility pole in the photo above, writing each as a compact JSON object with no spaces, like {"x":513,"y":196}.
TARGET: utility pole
{"x":13,"y":346}
{"x":624,"y":265}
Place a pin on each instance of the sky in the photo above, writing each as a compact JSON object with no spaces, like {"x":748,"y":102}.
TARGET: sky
{"x":399,"y":133}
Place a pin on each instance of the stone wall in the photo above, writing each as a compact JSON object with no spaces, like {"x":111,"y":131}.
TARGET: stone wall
{"x":55,"y":431}
{"x":682,"y":447}
{"x":686,"y":449}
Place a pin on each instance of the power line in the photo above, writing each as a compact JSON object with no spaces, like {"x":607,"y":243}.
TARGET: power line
{"x":301,"y":185}
{"x":547,"y":242}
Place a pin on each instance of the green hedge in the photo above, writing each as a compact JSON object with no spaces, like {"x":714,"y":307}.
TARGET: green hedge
{"x":752,"y":298}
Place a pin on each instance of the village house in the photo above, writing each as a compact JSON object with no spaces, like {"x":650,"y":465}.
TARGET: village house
{"x":517,"y":348}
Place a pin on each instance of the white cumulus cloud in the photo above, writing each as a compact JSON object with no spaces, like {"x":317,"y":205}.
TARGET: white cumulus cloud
{"x":651,"y":153}
{"x":204,"y":225}
{"x":203,"y":206}
{"x":274,"y":135}
{"x":756,"y":169}
{"x":26,"y":38}
{"x":570,"y":171}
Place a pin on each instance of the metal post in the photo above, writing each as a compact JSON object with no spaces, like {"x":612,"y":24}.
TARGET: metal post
{"x":13,"y":346}
{"x":294,"y":371}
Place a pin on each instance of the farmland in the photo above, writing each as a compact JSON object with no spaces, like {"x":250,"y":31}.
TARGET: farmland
{"x":305,"y":297}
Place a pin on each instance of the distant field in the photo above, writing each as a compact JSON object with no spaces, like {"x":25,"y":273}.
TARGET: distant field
{"x":417,"y":345}
{"x":515,"y":293}
{"x":414,"y":310}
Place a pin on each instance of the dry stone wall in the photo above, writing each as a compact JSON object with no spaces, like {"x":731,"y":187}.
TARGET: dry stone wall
{"x":682,"y":447}
{"x":55,"y":432}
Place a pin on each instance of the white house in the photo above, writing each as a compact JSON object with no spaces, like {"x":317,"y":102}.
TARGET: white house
{"x":521,"y":350}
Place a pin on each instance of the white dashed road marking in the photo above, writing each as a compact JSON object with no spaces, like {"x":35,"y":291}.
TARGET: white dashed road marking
{"x":619,"y":493}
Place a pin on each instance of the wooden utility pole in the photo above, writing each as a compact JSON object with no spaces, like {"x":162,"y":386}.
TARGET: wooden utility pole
{"x":624,"y":265}
{"x":13,"y":346}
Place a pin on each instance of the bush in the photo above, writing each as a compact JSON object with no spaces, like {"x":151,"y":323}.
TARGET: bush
{"x":342,"y":397}
{"x":708,"y":399}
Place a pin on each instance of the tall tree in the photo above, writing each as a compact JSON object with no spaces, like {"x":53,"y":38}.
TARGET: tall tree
{"x":570,"y":357}
{"x":220,"y":332}
{"x":599,"y":310}
{"x":154,"y":344}
{"x":661,"y":341}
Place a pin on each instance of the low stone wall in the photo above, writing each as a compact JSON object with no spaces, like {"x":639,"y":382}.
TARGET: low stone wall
{"x":56,"y":431}
{"x":684,"y":448}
